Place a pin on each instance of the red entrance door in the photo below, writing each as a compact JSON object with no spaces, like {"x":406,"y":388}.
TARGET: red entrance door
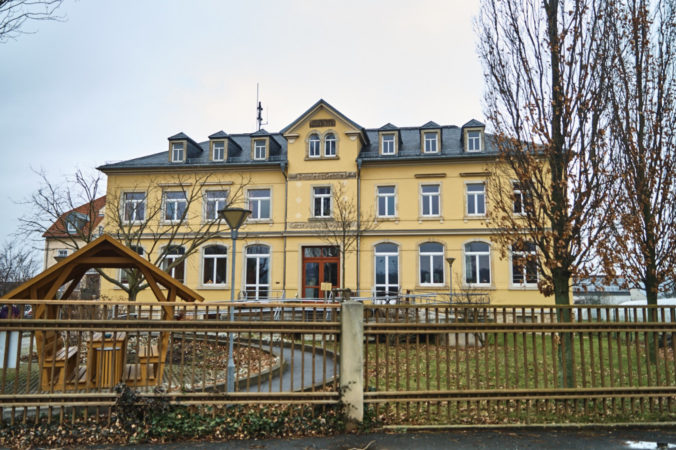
{"x":320,"y":265}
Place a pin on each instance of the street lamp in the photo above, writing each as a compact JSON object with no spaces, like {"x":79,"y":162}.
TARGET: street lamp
{"x":235,"y":217}
{"x":450,"y":276}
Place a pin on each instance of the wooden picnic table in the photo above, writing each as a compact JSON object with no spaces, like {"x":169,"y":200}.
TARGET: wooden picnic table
{"x":106,"y":358}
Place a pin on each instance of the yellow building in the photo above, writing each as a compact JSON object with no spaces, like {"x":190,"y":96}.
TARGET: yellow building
{"x":423,"y":186}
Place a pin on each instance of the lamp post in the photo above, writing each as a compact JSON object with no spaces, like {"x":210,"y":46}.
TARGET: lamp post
{"x":235,"y":217}
{"x":450,"y":276}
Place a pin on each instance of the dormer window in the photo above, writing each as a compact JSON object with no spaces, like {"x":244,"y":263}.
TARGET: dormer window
{"x":219,"y":151}
{"x":177,"y":152}
{"x":260,"y":152}
{"x":70,"y":227}
{"x":330,"y":145}
{"x":314,"y":145}
{"x":430,"y":142}
{"x":387,"y":144}
{"x":474,"y":141}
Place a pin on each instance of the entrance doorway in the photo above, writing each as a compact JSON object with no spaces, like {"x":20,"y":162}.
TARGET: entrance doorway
{"x":320,"y":265}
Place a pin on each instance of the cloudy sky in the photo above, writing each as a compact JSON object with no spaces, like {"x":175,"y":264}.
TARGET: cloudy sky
{"x":114,"y":79}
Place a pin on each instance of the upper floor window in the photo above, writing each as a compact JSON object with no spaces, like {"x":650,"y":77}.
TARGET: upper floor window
{"x":431,"y":263}
{"x":174,"y":262}
{"x":177,"y":152}
{"x":175,"y":206}
{"x":386,"y":197}
{"x":477,"y":263}
{"x":219,"y":151}
{"x":524,"y":264}
{"x":260,"y":149}
{"x":388,"y":144}
{"x":473,"y":141}
{"x":476,"y":199}
{"x":430,"y":199}
{"x":330,"y":145}
{"x":215,"y":201}
{"x":430,"y":142}
{"x":521,"y":198}
{"x":134,"y":206}
{"x":321,"y":201}
{"x":259,"y":203}
{"x":214,"y":265}
{"x":314,"y":146}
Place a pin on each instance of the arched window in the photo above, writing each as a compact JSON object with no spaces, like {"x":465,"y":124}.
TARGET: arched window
{"x":431,"y":263}
{"x":524,"y":264}
{"x":386,"y":269}
{"x":257,"y":284}
{"x":477,"y":263}
{"x":169,"y":265}
{"x":314,"y":146}
{"x":215,"y":265}
{"x":330,"y":145}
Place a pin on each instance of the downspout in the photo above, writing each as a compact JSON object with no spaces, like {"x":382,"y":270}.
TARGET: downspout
{"x":286,"y":207}
{"x":358,"y":219}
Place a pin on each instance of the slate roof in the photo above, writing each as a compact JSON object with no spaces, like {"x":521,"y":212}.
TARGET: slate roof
{"x":409,"y":147}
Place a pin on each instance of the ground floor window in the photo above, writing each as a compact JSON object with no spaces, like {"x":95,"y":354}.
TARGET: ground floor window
{"x":431,"y":263}
{"x":176,"y":270}
{"x":215,"y":265}
{"x":386,"y":269}
{"x":257,"y":272}
{"x":524,"y":264}
{"x":477,"y":263}
{"x":320,"y":266}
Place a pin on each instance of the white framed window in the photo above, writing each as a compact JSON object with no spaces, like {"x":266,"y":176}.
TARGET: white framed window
{"x":476,"y":199}
{"x":214,"y":265}
{"x":388,"y":144}
{"x":330,"y":145}
{"x":257,"y":268}
{"x":386,"y":201}
{"x":519,"y":198}
{"x":431,"y":263}
{"x":259,"y":204}
{"x":61,"y":253}
{"x":175,"y":206}
{"x":260,"y":152}
{"x":321,"y":201}
{"x":134,"y":206}
{"x":219,"y":151}
{"x":177,"y":152}
{"x":314,"y":146}
{"x":524,"y":264}
{"x":215,"y":201}
{"x":478,"y":263}
{"x":473,"y":141}
{"x":124,"y":273}
{"x":70,"y":226}
{"x":386,"y":269}
{"x":429,"y":196}
{"x":172,"y":255}
{"x":430,"y":139}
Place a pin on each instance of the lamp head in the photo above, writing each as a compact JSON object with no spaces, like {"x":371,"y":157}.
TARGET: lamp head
{"x":235,"y":217}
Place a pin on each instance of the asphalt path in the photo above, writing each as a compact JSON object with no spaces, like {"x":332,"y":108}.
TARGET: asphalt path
{"x":502,"y":439}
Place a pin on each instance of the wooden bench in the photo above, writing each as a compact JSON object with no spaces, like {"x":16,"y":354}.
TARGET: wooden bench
{"x":147,"y":370}
{"x":58,"y":362}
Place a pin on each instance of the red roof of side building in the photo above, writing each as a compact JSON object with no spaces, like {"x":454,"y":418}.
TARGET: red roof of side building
{"x":92,"y":211}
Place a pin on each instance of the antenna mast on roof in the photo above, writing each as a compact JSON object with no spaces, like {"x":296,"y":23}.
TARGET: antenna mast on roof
{"x":259,"y":109}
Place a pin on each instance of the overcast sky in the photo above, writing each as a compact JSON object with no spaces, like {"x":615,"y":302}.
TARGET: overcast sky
{"x":115,"y":79}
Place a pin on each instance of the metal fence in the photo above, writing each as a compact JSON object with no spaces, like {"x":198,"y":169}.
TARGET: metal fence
{"x":459,"y":364}
{"x":70,"y":363}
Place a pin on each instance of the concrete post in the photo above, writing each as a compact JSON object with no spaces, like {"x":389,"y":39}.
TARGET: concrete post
{"x":352,"y":362}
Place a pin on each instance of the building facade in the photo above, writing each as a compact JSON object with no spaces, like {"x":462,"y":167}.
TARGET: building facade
{"x":421,"y":188}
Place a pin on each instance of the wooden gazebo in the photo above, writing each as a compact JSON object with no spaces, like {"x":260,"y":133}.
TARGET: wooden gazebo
{"x":58,"y":361}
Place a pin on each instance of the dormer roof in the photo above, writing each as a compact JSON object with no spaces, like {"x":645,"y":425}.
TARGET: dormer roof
{"x":388,"y":127}
{"x":474,"y":124}
{"x":430,"y":125}
{"x":218,"y":135}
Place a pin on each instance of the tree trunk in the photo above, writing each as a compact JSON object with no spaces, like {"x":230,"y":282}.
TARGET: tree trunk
{"x":651,"y":297}
{"x":563,"y":315}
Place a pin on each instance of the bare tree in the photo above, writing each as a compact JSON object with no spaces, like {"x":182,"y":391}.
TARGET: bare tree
{"x":17,"y":264}
{"x":14,"y":13}
{"x":147,"y":224}
{"x":644,"y":134}
{"x":345,"y":226}
{"x":547,"y":68}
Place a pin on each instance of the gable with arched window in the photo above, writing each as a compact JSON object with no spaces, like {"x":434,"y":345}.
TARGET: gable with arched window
{"x":314,"y":146}
{"x":330,"y":145}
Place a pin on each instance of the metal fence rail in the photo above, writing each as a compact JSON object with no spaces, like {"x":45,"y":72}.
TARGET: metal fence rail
{"x":72,"y":362}
{"x":488,"y":364}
